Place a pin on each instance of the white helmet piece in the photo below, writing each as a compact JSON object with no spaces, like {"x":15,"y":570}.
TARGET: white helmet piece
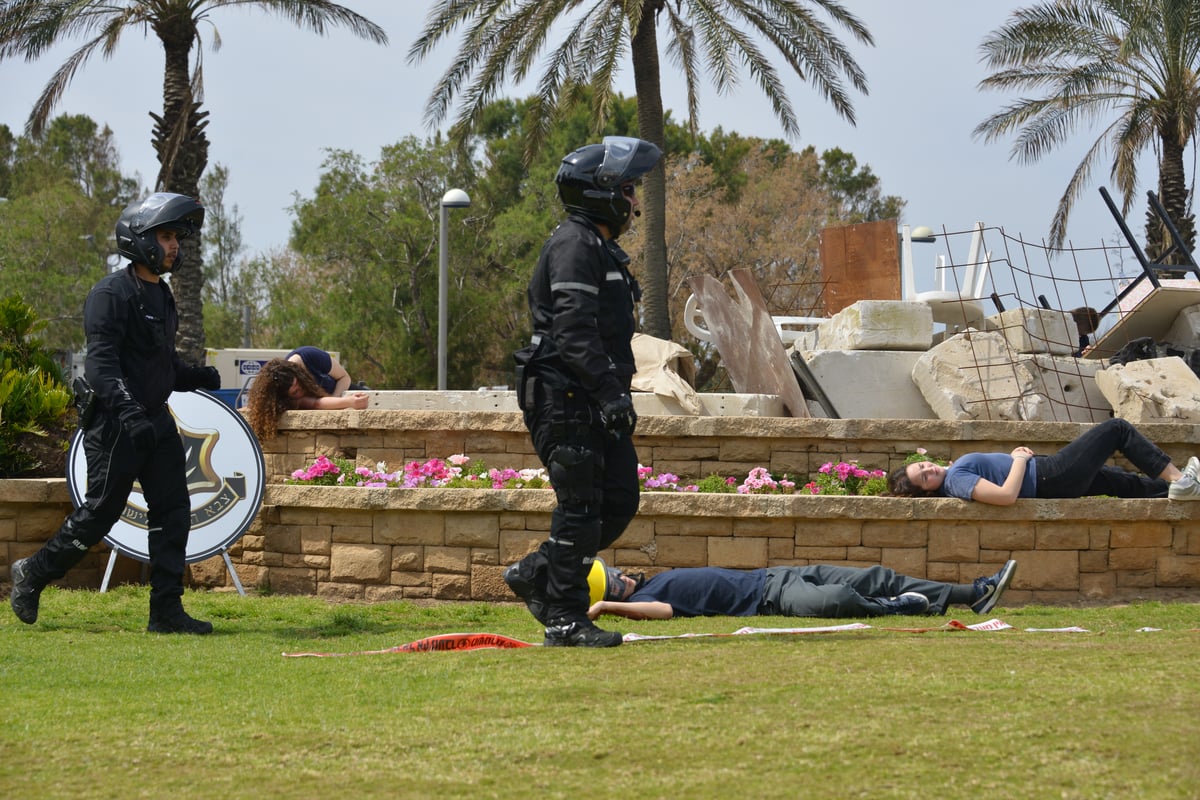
{"x":138,"y":222}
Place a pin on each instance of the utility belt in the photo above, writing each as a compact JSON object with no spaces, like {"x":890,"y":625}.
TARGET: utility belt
{"x":536,"y":370}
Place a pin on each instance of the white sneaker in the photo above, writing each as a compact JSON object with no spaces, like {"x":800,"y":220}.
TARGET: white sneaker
{"x":1186,"y":488}
{"x":1193,"y":468}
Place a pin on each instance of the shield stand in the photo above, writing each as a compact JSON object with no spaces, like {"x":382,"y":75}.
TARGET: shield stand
{"x":112,"y":560}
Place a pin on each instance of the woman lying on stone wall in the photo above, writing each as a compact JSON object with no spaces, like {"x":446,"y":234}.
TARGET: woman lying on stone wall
{"x":1078,"y":470}
{"x":286,"y":385}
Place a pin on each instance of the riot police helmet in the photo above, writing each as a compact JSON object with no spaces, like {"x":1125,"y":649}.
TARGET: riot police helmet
{"x":591,"y":180}
{"x":136,"y":237}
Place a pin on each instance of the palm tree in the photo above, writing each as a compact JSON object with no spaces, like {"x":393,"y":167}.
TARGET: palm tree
{"x":1135,"y":62}
{"x":503,"y":38}
{"x":29,"y":27}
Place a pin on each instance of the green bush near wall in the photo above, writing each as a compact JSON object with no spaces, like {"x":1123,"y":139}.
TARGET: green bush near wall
{"x":35,"y":403}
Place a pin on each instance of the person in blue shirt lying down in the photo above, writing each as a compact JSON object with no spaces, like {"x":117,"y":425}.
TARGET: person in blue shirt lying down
{"x":817,"y":590}
{"x":1078,"y":470}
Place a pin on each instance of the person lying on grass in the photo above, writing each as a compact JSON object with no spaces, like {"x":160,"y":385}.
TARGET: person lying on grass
{"x":814,"y":591}
{"x":1078,"y":470}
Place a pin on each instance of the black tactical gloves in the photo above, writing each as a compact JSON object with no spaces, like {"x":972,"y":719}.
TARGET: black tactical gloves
{"x":619,"y":417}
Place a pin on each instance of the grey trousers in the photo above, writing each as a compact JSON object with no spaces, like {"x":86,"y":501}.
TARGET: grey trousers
{"x":829,"y":592}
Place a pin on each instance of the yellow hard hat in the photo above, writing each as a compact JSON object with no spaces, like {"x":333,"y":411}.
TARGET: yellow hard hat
{"x":604,"y":582}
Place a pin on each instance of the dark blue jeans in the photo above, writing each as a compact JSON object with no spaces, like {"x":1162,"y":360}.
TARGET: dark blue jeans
{"x":1081,"y":470}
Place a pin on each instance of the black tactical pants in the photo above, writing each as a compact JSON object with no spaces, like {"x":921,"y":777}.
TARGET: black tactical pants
{"x":594,"y":476}
{"x":113,"y":465}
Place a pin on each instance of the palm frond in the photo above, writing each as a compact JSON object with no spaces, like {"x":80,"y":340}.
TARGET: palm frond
{"x":681,"y":50}
{"x":1134,"y":63}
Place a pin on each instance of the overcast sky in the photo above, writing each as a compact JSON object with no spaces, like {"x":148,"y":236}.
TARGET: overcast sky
{"x":278,"y":97}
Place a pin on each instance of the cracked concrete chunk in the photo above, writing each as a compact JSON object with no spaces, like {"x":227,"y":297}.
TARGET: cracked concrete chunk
{"x":1152,"y":390}
{"x":976,"y":375}
{"x":1038,"y":330}
{"x":878,"y":325}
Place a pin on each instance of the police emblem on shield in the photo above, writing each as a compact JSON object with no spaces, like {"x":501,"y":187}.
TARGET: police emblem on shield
{"x":225,"y":473}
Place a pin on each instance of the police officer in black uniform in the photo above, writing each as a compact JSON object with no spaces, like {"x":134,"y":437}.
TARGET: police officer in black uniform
{"x":131,"y":367}
{"x":573,"y":385}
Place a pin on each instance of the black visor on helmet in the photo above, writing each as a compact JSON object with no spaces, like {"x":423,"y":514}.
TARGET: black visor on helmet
{"x":625,"y":159}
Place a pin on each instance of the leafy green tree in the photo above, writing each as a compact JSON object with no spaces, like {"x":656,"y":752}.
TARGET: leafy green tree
{"x":366,"y":269}
{"x":56,"y":226}
{"x":770,"y":226}
{"x":1132,"y":63}
{"x":28,"y":28}
{"x":857,"y":196}
{"x":521,"y":194}
{"x":503,"y":38}
{"x":231,"y":287}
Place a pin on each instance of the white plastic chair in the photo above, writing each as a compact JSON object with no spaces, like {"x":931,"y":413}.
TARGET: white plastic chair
{"x":693,"y":320}
{"x":958,"y":306}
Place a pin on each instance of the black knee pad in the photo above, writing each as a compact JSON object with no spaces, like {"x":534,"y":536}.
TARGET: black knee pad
{"x":572,"y":470}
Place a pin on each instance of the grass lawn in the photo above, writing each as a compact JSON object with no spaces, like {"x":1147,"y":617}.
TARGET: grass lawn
{"x":94,"y":707}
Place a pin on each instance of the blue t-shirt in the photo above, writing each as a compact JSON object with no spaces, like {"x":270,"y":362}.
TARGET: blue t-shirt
{"x":318,"y":363}
{"x":964,"y":473}
{"x":705,"y":591}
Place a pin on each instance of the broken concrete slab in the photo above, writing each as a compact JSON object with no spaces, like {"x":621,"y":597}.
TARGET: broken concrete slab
{"x":878,"y":325}
{"x":869,"y":384}
{"x":1152,"y":390}
{"x":1070,"y":385}
{"x":976,"y":375}
{"x":747,"y":339}
{"x":1152,"y":315}
{"x":1038,"y":330}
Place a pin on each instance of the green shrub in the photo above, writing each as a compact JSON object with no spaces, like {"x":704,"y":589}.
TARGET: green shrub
{"x":35,"y":403}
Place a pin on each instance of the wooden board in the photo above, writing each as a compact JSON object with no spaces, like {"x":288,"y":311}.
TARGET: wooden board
{"x":860,"y":262}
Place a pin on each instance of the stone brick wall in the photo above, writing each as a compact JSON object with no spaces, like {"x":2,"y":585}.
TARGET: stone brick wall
{"x":692,"y":447}
{"x":452,"y":544}
{"x":372,"y":544}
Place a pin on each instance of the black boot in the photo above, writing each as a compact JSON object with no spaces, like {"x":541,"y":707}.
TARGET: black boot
{"x":565,"y":632}
{"x":53,"y":561}
{"x":26,"y":591}
{"x":173,"y":619}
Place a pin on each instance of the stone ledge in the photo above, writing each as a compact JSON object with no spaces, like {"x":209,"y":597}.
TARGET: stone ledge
{"x":757,"y":506}
{"x":990,"y":431}
{"x":34,"y":490}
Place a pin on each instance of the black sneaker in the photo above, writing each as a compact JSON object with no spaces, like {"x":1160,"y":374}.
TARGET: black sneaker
{"x":522,"y":586}
{"x":579,"y":633}
{"x":26,"y":594}
{"x":178,"y":622}
{"x":909,"y":603}
{"x":989,"y":589}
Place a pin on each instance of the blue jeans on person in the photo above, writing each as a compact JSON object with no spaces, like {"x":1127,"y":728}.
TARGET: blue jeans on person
{"x":1081,"y":470}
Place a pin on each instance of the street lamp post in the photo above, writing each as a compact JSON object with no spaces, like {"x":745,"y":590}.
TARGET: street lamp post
{"x":454,"y":198}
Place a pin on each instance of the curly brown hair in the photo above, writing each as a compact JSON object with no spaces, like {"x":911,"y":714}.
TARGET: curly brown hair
{"x":268,"y":396}
{"x":899,"y":484}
